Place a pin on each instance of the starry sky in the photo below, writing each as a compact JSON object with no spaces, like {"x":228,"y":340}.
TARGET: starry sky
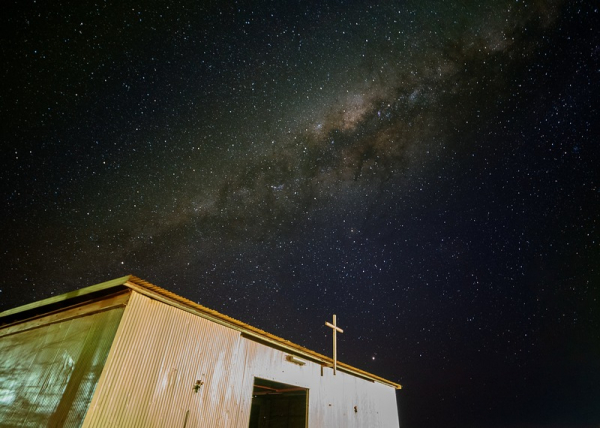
{"x":426,"y":170}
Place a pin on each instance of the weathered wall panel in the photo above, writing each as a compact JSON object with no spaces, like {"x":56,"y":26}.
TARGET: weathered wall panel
{"x":161,"y":351}
{"x":158,"y":355}
{"x":49,"y":367}
{"x":331,"y":399}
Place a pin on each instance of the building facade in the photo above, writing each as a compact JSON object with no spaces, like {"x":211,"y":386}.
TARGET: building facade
{"x":126,"y":353}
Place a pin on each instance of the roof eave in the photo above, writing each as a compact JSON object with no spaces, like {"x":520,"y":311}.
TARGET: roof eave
{"x":143,"y":287}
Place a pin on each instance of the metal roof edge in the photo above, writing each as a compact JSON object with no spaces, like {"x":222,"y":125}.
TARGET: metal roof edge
{"x":67,"y":296}
{"x":144,"y":287}
{"x":152,"y":290}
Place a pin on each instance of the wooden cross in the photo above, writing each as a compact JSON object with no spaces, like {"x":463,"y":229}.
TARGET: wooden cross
{"x":335,"y":329}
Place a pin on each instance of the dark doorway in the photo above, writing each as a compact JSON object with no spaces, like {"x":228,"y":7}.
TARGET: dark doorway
{"x":278,"y":405}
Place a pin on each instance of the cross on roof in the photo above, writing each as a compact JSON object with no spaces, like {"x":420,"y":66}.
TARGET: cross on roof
{"x":335,"y":329}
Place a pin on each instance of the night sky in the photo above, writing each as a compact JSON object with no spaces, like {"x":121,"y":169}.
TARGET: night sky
{"x":425,"y":170}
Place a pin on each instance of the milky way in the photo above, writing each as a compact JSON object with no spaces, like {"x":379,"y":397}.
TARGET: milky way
{"x":425,"y":170}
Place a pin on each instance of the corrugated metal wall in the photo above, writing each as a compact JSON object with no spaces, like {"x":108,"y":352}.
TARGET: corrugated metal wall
{"x":331,"y":399}
{"x":158,"y":355}
{"x":49,"y":367}
{"x":160,"y":352}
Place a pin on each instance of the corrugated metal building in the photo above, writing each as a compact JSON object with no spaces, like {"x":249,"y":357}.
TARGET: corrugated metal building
{"x":126,"y":353}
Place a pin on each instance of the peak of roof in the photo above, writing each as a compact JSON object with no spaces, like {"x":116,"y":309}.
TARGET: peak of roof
{"x":56,"y":303}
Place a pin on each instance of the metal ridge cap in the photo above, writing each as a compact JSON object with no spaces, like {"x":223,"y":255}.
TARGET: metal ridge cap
{"x":136,"y":283}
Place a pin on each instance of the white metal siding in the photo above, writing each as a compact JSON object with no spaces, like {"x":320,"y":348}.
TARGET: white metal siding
{"x":160,"y":351}
{"x":158,"y":355}
{"x":331,"y":399}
